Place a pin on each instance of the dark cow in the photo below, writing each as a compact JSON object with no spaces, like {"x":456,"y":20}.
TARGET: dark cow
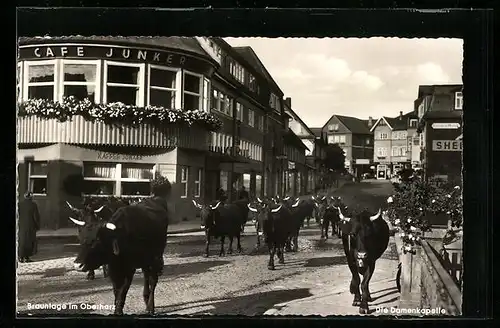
{"x":257,"y":209}
{"x":298,"y":211}
{"x":365,"y":238}
{"x":221,"y":220}
{"x":242,"y":205}
{"x":89,"y":214}
{"x":331,"y":216}
{"x":275,"y":225}
{"x":135,"y":237}
{"x":320,"y":204}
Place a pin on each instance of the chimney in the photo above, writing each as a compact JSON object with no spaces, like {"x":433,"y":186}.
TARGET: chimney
{"x":288,"y":102}
{"x":370,"y":121}
{"x":400,"y":116}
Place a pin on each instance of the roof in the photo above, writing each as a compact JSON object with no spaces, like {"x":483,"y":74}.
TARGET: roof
{"x":424,"y":90}
{"x":251,"y":57}
{"x":353,"y":124}
{"x":293,"y":140}
{"x":187,"y":44}
{"x":297,"y":117}
{"x":395,"y":123}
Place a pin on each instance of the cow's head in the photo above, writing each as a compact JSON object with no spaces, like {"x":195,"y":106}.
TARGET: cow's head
{"x":89,"y":213}
{"x":360,"y":228}
{"x":209,"y":213}
{"x":98,"y":241}
{"x":260,"y":211}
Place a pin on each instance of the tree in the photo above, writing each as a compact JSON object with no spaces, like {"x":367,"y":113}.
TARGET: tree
{"x":335,"y":158}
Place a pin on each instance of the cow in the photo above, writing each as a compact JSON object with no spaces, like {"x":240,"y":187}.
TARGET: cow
{"x":221,"y":220}
{"x":330,"y":216}
{"x":298,"y":214}
{"x":242,"y":205}
{"x":274,"y":223}
{"x":320,"y":207}
{"x":258,"y":208}
{"x":134,"y":237}
{"x":365,"y":238}
{"x":89,"y":215}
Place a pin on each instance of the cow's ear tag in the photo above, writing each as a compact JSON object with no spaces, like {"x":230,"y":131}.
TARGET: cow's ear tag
{"x":116,"y":249}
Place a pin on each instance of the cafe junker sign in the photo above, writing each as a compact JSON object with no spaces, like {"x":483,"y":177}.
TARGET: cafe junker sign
{"x":104,"y":52}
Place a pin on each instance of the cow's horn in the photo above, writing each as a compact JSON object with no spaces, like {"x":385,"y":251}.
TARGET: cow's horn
{"x":342,"y":217}
{"x":110,"y":226}
{"x":376,"y":216}
{"x":194,"y":203}
{"x":335,"y":207}
{"x":324,"y":197}
{"x":71,"y":206}
{"x":259,"y":200}
{"x":215,"y":207}
{"x":296,"y":203}
{"x":312,"y":197}
{"x":277,"y":209}
{"x":77,"y":222}
{"x":251,"y":208}
{"x":286,"y":198}
{"x":99,"y":209}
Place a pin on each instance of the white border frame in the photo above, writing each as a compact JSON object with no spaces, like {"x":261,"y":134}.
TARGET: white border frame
{"x":141,"y":78}
{"x":98,"y":80}
{"x":178,"y":84}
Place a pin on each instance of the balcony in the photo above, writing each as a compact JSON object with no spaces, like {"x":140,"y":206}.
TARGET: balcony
{"x":34,"y":130}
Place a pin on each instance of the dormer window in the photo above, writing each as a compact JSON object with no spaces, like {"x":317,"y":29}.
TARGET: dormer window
{"x":413,"y":123}
{"x":459,"y":100}
{"x":333,"y":127}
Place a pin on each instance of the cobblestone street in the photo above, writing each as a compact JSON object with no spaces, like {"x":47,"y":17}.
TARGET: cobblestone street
{"x":240,"y":284}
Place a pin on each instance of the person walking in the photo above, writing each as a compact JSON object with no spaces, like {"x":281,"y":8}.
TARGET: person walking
{"x":29,"y":224}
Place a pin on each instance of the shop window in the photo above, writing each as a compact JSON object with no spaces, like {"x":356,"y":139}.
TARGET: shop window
{"x":258,"y":185}
{"x":124,"y":83}
{"x":193,"y":86}
{"x":184,"y":181}
{"x":163,"y":84}
{"x":40,"y":80}
{"x":246,"y":181}
{"x":197,"y":183}
{"x":80,"y":79}
{"x":99,"y":179}
{"x":136,"y":179}
{"x":223,"y":179}
{"x":37,"y":177}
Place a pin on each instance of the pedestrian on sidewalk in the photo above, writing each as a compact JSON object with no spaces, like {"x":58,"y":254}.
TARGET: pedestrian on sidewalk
{"x":29,"y":224}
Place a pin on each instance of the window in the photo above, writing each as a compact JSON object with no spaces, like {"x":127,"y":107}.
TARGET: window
{"x":40,"y":80}
{"x":237,"y":71}
{"x":274,"y":102}
{"x":333,"y":127}
{"x":381,"y":152}
{"x":100,"y":179}
{"x":339,"y":139}
{"x":413,"y":123}
{"x":197,"y":183}
{"x":37,"y":177}
{"x":163,"y":85}
{"x":261,"y":123}
{"x":206,"y":95}
{"x":331,"y":139}
{"x":136,"y":179}
{"x":416,"y":141}
{"x":239,"y":111}
{"x":19,"y":83}
{"x":184,"y":181}
{"x":459,"y":100}
{"x":124,"y":83}
{"x":367,"y":141}
{"x":251,"y":117}
{"x":383,"y":135}
{"x":117,"y":179}
{"x":252,"y":83}
{"x":398,"y":151}
{"x":80,"y":79}
{"x":246,"y":181}
{"x":193,"y":89}
{"x":258,"y":185}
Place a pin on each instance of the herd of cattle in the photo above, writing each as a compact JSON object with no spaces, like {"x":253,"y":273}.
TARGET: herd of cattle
{"x":124,"y":237}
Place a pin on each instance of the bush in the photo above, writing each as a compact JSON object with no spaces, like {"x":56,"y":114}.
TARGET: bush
{"x":412,"y":204}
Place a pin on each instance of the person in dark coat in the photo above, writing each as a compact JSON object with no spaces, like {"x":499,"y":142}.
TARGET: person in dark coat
{"x":221,"y":195}
{"x":243,"y":194}
{"x":29,"y":224}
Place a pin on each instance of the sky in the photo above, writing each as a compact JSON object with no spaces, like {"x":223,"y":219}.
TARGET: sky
{"x":353,"y":76}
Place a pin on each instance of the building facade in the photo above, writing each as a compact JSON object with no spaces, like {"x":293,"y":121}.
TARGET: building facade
{"x":440,"y":111}
{"x":317,"y":158}
{"x":393,"y":141}
{"x":353,"y":135}
{"x":203,"y":79}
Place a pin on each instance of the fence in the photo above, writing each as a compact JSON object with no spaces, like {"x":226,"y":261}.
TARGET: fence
{"x":426,"y":282}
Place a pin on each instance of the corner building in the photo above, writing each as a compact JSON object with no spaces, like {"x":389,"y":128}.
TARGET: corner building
{"x":120,"y":160}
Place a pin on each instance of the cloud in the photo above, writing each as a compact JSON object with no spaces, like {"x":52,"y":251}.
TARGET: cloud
{"x":432,"y":73}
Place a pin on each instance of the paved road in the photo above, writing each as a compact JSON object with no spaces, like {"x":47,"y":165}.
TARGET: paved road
{"x":234,"y":284}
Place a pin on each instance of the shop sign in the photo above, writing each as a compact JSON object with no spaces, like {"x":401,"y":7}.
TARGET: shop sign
{"x":445,"y":126}
{"x":118,"y":157}
{"x":362,"y":161}
{"x":447,"y":145}
{"x":103,"y":52}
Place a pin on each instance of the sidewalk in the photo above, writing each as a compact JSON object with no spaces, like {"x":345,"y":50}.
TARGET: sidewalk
{"x":339,"y":301}
{"x":72,"y":233}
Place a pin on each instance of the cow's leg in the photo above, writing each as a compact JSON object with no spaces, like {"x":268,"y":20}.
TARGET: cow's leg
{"x":327,"y":225}
{"x":152,"y":281}
{"x":365,"y":296}
{"x":207,"y":244}
{"x":145,"y":291}
{"x":91,"y":275}
{"x":238,"y":239}
{"x":369,"y":296}
{"x":222,"y":240}
{"x":288,"y":244}
{"x":272,"y":250}
{"x":296,"y":243}
{"x":354,"y":286}
{"x":230,"y":250}
{"x":279,"y":252}
{"x":323,"y":230}
{"x":105,"y":271}
{"x":121,"y":278}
